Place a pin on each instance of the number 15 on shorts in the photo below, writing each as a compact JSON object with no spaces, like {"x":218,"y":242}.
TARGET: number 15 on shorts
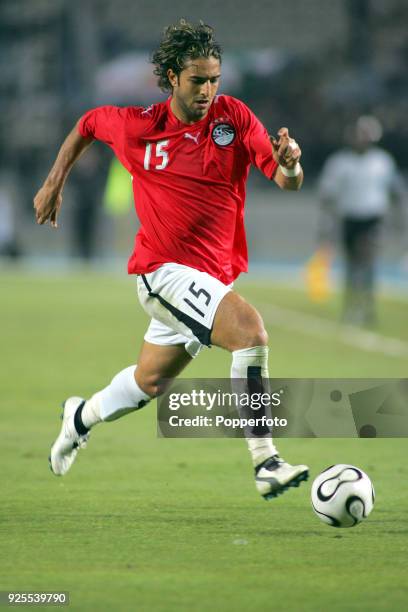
{"x":199,"y":298}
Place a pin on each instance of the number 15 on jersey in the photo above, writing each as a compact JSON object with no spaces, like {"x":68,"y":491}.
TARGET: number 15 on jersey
{"x":159,"y":152}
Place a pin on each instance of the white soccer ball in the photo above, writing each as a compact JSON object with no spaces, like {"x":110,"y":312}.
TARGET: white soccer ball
{"x":342,"y":495}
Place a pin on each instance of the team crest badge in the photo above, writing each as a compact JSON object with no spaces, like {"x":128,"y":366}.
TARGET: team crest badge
{"x":223,"y":134}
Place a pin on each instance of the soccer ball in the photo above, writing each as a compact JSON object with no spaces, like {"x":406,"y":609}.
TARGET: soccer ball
{"x":342,"y":495}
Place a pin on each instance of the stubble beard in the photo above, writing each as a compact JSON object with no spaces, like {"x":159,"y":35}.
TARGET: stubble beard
{"x":190,"y":112}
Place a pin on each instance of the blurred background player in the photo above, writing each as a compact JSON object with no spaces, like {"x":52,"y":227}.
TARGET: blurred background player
{"x":189,"y":157}
{"x":357,"y":186}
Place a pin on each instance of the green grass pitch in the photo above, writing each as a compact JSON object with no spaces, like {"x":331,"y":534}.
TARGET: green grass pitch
{"x":142,"y":523}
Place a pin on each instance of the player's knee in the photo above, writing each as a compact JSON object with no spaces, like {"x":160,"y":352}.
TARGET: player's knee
{"x":238,"y":326}
{"x":153,"y":385}
{"x":251,"y":332}
{"x":259,"y":337}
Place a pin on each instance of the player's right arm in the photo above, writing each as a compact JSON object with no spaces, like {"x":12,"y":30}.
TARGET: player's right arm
{"x":48,"y":200}
{"x":107,"y":124}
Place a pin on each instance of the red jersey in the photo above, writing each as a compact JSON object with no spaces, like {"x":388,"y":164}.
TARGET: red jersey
{"x":188,"y":181}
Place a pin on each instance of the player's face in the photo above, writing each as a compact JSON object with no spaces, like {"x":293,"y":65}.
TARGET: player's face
{"x":194,"y":88}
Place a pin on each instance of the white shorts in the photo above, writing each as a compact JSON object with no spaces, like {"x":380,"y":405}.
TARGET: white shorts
{"x":182,"y":303}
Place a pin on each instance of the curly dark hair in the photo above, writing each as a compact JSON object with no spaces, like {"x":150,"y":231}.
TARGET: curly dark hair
{"x":181,"y":42}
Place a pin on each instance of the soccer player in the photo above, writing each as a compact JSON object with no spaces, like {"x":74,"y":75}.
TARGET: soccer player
{"x":357,"y":186}
{"x":189,"y":159}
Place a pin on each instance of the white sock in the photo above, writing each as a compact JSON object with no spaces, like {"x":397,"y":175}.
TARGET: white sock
{"x":122,"y":396}
{"x":261,"y":447}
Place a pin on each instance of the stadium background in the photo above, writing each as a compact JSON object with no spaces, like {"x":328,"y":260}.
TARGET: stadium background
{"x":168,"y":525}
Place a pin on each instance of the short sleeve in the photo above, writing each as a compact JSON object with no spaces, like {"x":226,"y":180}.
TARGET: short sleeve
{"x":103,"y":123}
{"x":109,"y":124}
{"x":256,"y":141}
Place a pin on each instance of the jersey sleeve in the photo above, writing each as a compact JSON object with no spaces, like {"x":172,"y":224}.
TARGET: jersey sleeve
{"x":256,"y":141}
{"x":109,"y":124}
{"x":103,"y":123}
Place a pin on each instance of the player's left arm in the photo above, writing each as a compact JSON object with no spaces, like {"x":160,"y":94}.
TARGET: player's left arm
{"x":286,"y":152}
{"x":277,"y":159}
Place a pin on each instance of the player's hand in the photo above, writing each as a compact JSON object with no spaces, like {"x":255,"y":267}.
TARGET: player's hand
{"x":47,"y":203}
{"x":286,"y":151}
